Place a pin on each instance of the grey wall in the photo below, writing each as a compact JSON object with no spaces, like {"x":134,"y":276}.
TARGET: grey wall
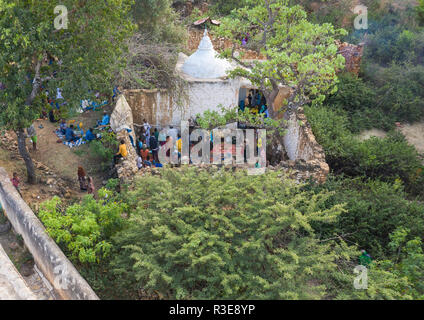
{"x":52,"y":262}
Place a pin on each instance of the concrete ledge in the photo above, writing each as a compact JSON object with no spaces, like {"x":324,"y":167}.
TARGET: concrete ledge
{"x":12,"y":285}
{"x":52,"y":262}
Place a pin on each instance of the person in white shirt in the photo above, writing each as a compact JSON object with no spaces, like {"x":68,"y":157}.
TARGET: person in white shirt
{"x":147,"y":127}
{"x":139,"y":162}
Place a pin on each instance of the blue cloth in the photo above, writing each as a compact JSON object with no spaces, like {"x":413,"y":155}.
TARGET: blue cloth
{"x":105,"y":120}
{"x":89,"y":136}
{"x":158,"y":165}
{"x":140,"y":145}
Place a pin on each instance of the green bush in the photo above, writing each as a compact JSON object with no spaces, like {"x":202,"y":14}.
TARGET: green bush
{"x":374,"y":210}
{"x":387,"y":159}
{"x":361,"y":102}
{"x":83,"y":230}
{"x":104,"y":149}
{"x":200,"y":235}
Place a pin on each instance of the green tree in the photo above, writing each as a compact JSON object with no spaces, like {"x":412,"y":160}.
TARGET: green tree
{"x":158,"y":20}
{"x":220,"y":235}
{"x":299,"y":54}
{"x":35,"y":56}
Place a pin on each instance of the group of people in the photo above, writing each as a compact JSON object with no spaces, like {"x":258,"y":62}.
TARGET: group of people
{"x":149,"y":144}
{"x":148,"y":147}
{"x":71,"y":136}
{"x":256,"y":103}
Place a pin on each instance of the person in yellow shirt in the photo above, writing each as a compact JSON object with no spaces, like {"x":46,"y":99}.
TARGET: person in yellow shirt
{"x":179,"y":143}
{"x":123,"y":153}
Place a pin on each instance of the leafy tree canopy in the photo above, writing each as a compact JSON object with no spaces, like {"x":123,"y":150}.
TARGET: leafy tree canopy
{"x":34,"y":54}
{"x":299,"y":54}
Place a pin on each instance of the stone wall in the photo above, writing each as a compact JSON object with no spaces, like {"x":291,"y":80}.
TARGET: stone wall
{"x":156,"y":106}
{"x":52,"y":262}
{"x":160,"y":109}
{"x":12,"y":285}
{"x":127,"y":168}
{"x":307,"y":157}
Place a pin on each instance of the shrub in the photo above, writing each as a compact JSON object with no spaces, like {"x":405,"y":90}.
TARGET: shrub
{"x":104,"y":149}
{"x":374,"y":210}
{"x":83,"y":230}
{"x":387,"y":159}
{"x":201,"y":235}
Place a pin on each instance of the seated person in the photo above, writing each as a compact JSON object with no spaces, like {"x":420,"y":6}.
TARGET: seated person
{"x":105,"y":121}
{"x":63,"y":127}
{"x":89,"y":135}
{"x":52,"y":116}
{"x":122,"y":153}
{"x":139,"y":162}
{"x":70,"y":134}
{"x":145,"y":155}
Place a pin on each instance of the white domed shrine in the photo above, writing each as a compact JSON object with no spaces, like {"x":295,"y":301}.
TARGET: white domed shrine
{"x":205,"y":63}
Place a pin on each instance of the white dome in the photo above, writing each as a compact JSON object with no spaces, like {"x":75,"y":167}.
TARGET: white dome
{"x":204,"y":63}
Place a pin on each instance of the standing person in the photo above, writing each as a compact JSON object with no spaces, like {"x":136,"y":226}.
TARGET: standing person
{"x":146,"y":127}
{"x":148,"y":138}
{"x":143,"y":135}
{"x":156,"y":134}
{"x":154,"y":146}
{"x":15,"y":181}
{"x":91,"y":188}
{"x":33,"y":135}
{"x":122,"y":153}
{"x":250,"y":97}
{"x":139,"y":146}
{"x":179,"y":146}
{"x":82,"y":179}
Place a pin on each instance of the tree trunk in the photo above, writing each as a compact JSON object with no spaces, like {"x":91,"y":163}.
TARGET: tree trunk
{"x":32,"y":178}
{"x":275,"y":149}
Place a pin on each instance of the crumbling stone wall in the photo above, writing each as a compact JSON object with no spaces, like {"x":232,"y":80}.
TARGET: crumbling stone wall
{"x":352,"y":54}
{"x":307,"y":157}
{"x":127,"y":167}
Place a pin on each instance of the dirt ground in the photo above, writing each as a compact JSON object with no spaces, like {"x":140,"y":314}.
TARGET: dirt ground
{"x":62,"y":161}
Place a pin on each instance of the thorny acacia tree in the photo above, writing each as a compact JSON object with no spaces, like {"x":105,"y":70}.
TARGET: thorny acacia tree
{"x":35,"y":55}
{"x":299,"y":54}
